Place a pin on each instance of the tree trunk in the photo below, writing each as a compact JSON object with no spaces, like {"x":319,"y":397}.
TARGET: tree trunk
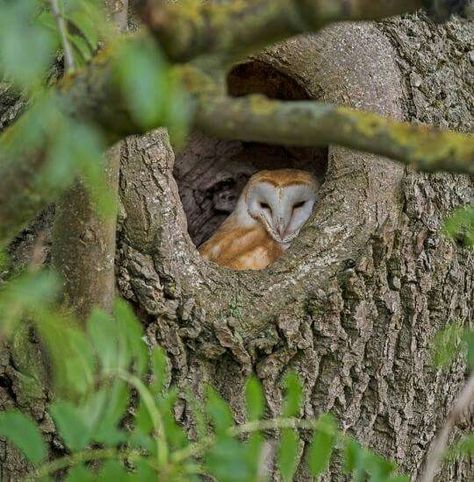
{"x":355,"y":303}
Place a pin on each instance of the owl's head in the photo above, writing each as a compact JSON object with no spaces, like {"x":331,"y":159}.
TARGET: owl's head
{"x":281,"y":200}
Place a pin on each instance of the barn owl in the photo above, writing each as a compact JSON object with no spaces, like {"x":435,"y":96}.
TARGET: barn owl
{"x":269,"y":214}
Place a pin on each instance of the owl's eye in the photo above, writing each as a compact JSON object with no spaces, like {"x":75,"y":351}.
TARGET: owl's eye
{"x":299,"y":205}
{"x":265,"y":206}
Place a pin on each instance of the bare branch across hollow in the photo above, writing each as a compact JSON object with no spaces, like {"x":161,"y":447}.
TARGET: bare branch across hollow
{"x":304,"y":123}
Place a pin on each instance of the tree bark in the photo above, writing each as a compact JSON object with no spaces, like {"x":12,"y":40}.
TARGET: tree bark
{"x":355,"y":303}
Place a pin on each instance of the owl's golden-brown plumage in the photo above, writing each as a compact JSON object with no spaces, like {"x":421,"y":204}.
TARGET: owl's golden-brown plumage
{"x":271,"y":210}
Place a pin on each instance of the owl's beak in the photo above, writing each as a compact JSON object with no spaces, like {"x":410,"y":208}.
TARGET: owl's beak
{"x":280,"y":228}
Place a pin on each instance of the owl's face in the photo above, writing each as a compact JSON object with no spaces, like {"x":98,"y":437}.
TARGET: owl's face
{"x":282,"y":201}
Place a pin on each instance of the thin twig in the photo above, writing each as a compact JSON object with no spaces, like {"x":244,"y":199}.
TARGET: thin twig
{"x":439,"y":447}
{"x":79,"y":457}
{"x":199,"y":447}
{"x":158,"y":423}
{"x":68,"y":55}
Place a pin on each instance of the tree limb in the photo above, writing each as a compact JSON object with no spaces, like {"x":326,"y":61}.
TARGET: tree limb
{"x":305,"y":123}
{"x":463,"y":403}
{"x":83,"y":250}
{"x":68,"y":55}
{"x":187,"y":29}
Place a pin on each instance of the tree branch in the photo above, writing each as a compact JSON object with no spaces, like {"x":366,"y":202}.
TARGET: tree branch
{"x":463,"y":403}
{"x":68,"y":55}
{"x":187,"y":29}
{"x":306,"y":123}
{"x":83,"y":250}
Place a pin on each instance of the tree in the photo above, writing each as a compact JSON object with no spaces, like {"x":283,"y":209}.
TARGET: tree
{"x":354,"y":305}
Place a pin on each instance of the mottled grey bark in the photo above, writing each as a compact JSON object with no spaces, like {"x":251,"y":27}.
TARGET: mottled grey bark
{"x":356,"y":301}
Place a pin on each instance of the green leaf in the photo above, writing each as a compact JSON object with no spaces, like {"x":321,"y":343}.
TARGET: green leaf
{"x":26,"y":47}
{"x":22,"y":431}
{"x":103,"y":331}
{"x":82,"y":49}
{"x":378,"y":467}
{"x":288,"y":454}
{"x":30,"y":129}
{"x":112,"y":470}
{"x":140,"y":441}
{"x":143,"y":421}
{"x":254,"y":447}
{"x":227,"y":461}
{"x":218,"y":411}
{"x":79,"y":473}
{"x":255,"y":399}
{"x":460,"y":226}
{"x":71,"y":425}
{"x":464,"y":448}
{"x":398,"y":478}
{"x":143,"y":472}
{"x":117,"y":398}
{"x":320,"y":450}
{"x":142,"y":74}
{"x":153,"y":91}
{"x":352,"y":456}
{"x":293,"y":395}
{"x":73,"y":359}
{"x":24,"y":296}
{"x":159,"y":370}
{"x":447,"y":345}
{"x":133,"y":345}
{"x":469,"y":339}
{"x":3,"y":259}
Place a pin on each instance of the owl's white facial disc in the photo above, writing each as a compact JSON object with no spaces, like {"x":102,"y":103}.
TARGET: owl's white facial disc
{"x":282,"y":210}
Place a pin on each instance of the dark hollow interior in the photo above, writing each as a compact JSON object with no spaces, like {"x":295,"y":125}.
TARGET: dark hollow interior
{"x":211,"y":173}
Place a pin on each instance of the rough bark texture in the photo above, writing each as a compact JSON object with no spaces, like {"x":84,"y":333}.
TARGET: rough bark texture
{"x":355,"y":303}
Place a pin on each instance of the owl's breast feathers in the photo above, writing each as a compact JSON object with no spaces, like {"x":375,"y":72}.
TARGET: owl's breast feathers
{"x":241,"y":248}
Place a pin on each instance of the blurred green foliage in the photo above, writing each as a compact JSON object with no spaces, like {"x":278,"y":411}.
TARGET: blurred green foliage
{"x":30,"y":45}
{"x":454,"y":342}
{"x":101,"y":368}
{"x":460,"y":226}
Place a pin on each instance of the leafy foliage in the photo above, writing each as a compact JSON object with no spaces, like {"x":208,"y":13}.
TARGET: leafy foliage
{"x":99,"y":369}
{"x":30,"y":38}
{"x":460,"y":226}
{"x":24,"y":433}
{"x":450,"y":343}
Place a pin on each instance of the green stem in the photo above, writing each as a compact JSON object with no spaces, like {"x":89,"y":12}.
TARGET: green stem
{"x":147,"y":398}
{"x":79,"y":457}
{"x":62,"y":28}
{"x":195,"y":449}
